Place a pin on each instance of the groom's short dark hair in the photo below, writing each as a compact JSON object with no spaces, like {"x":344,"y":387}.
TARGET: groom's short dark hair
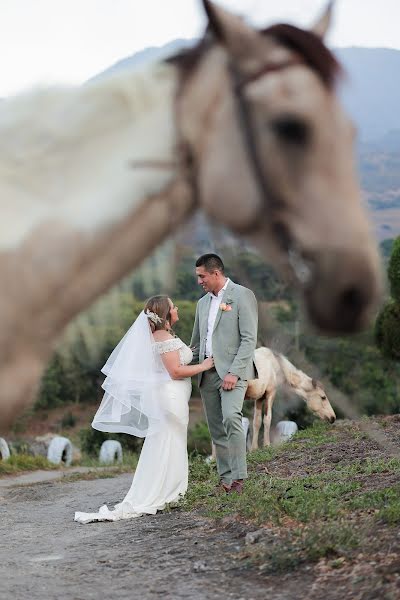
{"x":211,"y":262}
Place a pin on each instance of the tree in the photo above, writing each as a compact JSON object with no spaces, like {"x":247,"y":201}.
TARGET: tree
{"x":387,"y":325}
{"x":386,"y":247}
{"x":394,"y":271}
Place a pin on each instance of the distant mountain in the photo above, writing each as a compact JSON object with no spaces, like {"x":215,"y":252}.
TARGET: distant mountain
{"x":151,"y":54}
{"x":370,"y":90}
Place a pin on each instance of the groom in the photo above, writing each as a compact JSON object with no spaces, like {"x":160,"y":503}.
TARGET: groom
{"x":225,"y":328}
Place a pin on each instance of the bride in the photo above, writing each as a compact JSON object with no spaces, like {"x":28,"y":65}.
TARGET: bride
{"x":147,"y":390}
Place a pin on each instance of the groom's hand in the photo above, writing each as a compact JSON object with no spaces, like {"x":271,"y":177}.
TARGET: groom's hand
{"x":229,"y":382}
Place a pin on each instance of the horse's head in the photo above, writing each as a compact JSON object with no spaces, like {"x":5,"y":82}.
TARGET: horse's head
{"x":317,"y":401}
{"x":273,"y":152}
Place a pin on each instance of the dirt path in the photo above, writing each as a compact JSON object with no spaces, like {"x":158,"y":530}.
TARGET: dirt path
{"x":40,"y":476}
{"x":45,"y":555}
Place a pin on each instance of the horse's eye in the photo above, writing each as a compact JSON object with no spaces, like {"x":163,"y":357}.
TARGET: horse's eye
{"x":291,"y":129}
{"x":323,"y":397}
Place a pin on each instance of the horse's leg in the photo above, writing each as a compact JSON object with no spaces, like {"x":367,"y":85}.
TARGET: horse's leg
{"x":269,"y":400}
{"x":256,"y":422}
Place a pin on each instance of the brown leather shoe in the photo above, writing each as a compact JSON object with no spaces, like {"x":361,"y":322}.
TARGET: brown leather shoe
{"x":237,"y":486}
{"x":221,"y":488}
{"x":225,"y":486}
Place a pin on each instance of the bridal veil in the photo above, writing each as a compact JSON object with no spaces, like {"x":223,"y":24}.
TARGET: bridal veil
{"x":132,"y":402}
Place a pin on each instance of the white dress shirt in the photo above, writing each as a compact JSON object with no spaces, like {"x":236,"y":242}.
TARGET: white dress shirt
{"x":212,"y":315}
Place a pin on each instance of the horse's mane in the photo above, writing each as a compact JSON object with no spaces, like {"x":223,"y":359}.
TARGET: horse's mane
{"x":295,"y":377}
{"x":306,"y":43}
{"x":311,"y":47}
{"x":60,"y":114}
{"x":53,"y":140}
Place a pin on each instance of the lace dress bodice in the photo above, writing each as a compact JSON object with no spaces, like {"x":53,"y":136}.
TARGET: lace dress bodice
{"x":185,"y":353}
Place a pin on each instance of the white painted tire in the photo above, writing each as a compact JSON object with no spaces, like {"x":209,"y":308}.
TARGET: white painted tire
{"x":247,"y":432}
{"x":285,"y":430}
{"x":4,"y":450}
{"x":110,"y":452}
{"x":60,"y":451}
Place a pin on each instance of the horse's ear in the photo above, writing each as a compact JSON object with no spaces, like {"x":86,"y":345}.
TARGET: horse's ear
{"x":322,"y":25}
{"x":294,"y":380}
{"x":229,"y":29}
{"x":315,"y":383}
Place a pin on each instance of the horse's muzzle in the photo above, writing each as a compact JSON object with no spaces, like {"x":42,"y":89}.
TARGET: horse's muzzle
{"x":343,"y":292}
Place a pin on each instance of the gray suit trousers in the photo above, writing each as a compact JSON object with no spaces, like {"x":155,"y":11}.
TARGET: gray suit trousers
{"x":224,"y":417}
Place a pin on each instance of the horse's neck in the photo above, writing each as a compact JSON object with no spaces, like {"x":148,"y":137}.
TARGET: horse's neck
{"x":293,"y":376}
{"x":73,"y":155}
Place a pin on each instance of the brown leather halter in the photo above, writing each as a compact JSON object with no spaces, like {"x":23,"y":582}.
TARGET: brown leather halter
{"x":270,"y":197}
{"x":239,"y":82}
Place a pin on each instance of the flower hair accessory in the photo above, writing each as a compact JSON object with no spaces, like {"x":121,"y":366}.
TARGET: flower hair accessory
{"x":224,"y":306}
{"x":153,"y":317}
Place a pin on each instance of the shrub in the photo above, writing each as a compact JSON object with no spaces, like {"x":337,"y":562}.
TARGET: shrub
{"x":51,"y":388}
{"x":387,"y":330}
{"x":358,"y":369}
{"x":184,"y":326}
{"x":91,"y":440}
{"x":387,"y":325}
{"x":68,"y":420}
{"x":394,"y":270}
{"x":199,"y":440}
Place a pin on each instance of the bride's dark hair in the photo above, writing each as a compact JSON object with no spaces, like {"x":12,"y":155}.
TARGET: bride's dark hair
{"x":160,"y":306}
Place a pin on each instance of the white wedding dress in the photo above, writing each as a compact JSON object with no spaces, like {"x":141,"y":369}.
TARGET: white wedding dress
{"x":161,"y":475}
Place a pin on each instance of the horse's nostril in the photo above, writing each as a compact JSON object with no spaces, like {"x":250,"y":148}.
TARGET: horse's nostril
{"x":350,"y":305}
{"x":282,"y":234}
{"x":343,"y":291}
{"x":352,"y":299}
{"x":332,"y":419}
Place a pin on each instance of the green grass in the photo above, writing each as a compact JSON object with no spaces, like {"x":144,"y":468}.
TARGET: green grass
{"x":97,"y":473}
{"x":385,"y":502}
{"x":369,"y":467}
{"x":328,"y":495}
{"x":129,"y":461}
{"x":100,"y":471}
{"x":18,"y":463}
{"x":328,"y":513}
{"x":298,"y":546}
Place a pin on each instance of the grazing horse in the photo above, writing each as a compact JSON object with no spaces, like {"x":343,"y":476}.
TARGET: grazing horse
{"x":246,"y":126}
{"x":275,"y":370}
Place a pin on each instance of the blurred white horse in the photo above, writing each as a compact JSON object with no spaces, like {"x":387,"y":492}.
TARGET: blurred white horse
{"x":275,"y":370}
{"x":245,"y":126}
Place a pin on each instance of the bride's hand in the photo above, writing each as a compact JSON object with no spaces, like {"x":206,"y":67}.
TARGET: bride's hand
{"x":208,"y":363}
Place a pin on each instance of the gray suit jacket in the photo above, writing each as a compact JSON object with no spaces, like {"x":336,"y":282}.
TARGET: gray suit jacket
{"x":234,"y":336}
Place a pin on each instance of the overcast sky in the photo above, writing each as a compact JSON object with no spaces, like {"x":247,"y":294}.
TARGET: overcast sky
{"x":68,"y":41}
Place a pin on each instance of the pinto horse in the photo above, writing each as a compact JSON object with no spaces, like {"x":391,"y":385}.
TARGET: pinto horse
{"x":246,"y":126}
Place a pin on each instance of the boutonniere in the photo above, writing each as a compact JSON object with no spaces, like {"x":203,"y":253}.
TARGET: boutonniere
{"x":224,"y":306}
